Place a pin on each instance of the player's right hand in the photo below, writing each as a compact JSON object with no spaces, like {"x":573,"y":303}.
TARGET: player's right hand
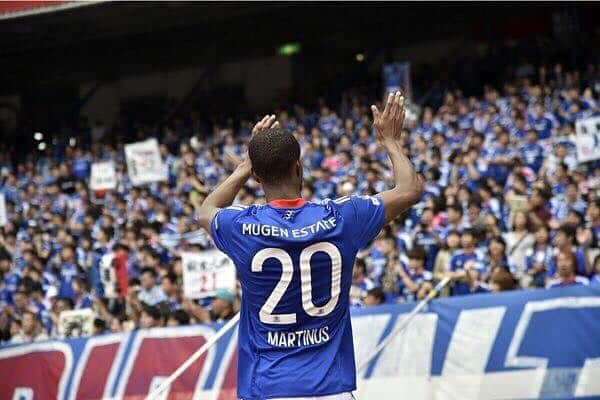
{"x":388,"y":125}
{"x":267,"y":122}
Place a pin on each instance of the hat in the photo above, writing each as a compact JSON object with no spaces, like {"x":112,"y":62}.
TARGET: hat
{"x":225,"y":294}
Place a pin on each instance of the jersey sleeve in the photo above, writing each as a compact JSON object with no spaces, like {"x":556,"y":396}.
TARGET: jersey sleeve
{"x":221,"y":227}
{"x":367,"y":219}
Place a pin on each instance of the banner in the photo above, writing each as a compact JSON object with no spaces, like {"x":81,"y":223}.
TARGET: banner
{"x":396,"y":76}
{"x":588,"y":139}
{"x":144,"y":164}
{"x":3,"y":219}
{"x":206,"y":272}
{"x":514,"y":345}
{"x":76,"y":323}
{"x":103,"y":176}
{"x":114,"y":275}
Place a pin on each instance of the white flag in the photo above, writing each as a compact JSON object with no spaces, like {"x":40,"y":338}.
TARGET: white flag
{"x":144,"y":164}
{"x":103,"y":176}
{"x":588,"y":139}
{"x":207,"y":272}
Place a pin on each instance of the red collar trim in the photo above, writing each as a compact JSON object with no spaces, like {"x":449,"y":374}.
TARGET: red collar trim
{"x":287,"y":203}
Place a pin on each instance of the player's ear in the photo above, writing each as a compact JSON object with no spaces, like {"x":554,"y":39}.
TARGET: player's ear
{"x":298,"y":168}
{"x":256,"y":178}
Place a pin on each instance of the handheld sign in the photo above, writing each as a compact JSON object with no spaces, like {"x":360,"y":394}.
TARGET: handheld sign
{"x":144,"y":164}
{"x":76,"y":323}
{"x":103,"y":176}
{"x":206,"y":272}
{"x":588,"y":139}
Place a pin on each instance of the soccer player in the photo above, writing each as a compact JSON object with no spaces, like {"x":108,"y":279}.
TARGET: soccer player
{"x":294,"y":261}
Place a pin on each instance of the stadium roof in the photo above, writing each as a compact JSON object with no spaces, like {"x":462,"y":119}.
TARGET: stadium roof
{"x":105,"y":39}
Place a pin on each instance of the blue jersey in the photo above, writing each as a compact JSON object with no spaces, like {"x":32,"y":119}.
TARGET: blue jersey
{"x":294,"y":263}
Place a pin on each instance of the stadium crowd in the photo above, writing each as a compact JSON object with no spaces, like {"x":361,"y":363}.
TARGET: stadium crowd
{"x":506,"y":206}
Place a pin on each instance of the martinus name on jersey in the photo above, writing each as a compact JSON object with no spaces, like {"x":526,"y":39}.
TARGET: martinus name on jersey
{"x":306,"y":337}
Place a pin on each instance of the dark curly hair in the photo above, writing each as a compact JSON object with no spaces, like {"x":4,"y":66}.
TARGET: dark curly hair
{"x":273,"y":153}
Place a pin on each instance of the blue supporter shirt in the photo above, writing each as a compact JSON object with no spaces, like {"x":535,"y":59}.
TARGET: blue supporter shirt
{"x":428,"y":241}
{"x":465,"y":122}
{"x":328,"y":124}
{"x":68,"y":271}
{"x":461,"y":260}
{"x":578,"y":280}
{"x":418,"y":278}
{"x":81,"y":167}
{"x":552,"y":269}
{"x":542,"y":125}
{"x":499,"y":172}
{"x":533,"y":156}
{"x":294,"y":262}
{"x":538,"y":255}
{"x":11,"y":282}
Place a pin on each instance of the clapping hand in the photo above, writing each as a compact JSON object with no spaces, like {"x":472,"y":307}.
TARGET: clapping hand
{"x":388,"y":125}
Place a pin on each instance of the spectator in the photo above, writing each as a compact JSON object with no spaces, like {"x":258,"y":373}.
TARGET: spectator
{"x":564,"y":242}
{"x":466,"y":265}
{"x":538,"y":207}
{"x":566,"y":264}
{"x":177,"y":318}
{"x":413,"y":277}
{"x":170,"y":287}
{"x":442,"y":260}
{"x":99,"y":326}
{"x":221,"y":308}
{"x":150,"y":317}
{"x":361,"y":283}
{"x":502,"y":280}
{"x":80,"y":294}
{"x":539,"y":258}
{"x":150,"y":293}
{"x":518,"y":241}
{"x":374,"y":297}
{"x":31,"y":330}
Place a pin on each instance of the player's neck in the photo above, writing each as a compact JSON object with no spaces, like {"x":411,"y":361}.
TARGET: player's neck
{"x":281,"y":193}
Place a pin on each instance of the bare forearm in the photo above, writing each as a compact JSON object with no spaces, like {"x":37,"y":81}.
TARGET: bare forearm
{"x":223,"y":195}
{"x":408,"y":185}
{"x":405,"y":175}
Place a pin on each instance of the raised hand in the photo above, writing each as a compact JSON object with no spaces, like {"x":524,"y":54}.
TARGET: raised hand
{"x":267,"y":122}
{"x":388,"y":125}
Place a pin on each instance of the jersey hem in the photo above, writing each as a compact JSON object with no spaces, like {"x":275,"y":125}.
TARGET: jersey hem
{"x":287,"y":396}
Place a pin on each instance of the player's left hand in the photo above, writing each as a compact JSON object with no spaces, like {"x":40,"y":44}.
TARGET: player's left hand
{"x":388,"y":124}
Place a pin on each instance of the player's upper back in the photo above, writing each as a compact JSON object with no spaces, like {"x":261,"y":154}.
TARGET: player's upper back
{"x":294,"y":262}
{"x":292,"y":225}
